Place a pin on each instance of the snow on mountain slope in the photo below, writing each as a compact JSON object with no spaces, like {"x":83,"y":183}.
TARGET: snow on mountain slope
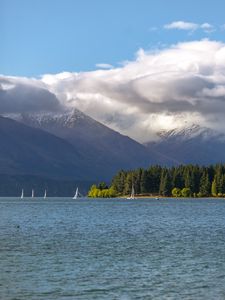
{"x":192,"y":144}
{"x":103,"y":148}
{"x":190,"y":132}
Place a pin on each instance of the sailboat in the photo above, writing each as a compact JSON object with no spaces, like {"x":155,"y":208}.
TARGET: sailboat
{"x":76,"y":194}
{"x":45,"y":194}
{"x":132,"y":193}
{"x":22,"y":194}
{"x":32,"y":194}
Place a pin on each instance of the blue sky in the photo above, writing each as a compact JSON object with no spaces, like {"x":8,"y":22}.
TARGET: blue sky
{"x":51,"y":36}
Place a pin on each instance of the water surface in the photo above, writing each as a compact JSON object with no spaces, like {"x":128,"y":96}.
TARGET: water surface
{"x":112,"y":249}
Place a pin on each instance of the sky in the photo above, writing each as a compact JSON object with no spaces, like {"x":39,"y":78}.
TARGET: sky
{"x":137,"y":66}
{"x":52,"y":36}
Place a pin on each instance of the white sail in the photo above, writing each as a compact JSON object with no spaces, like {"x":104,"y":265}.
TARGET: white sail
{"x":76,"y":194}
{"x":32,"y":194}
{"x":45,"y":194}
{"x":132,"y":193}
{"x":22,"y":194}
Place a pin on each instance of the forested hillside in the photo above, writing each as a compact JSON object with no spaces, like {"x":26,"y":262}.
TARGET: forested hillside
{"x":188,"y":180}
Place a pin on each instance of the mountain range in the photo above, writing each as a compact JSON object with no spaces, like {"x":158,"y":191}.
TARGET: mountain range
{"x":28,"y":150}
{"x":66,"y":145}
{"x":190,"y":145}
{"x":74,"y":146}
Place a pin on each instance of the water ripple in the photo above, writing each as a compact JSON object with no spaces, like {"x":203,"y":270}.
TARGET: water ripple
{"x":112,"y":249}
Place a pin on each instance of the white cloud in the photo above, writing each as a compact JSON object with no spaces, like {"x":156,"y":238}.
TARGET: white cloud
{"x":182,"y":25}
{"x":25,"y":95}
{"x":104,"y":66}
{"x":207,"y":27}
{"x":159,"y":90}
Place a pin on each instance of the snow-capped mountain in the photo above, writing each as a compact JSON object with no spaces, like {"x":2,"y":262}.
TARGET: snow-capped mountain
{"x":73,"y":145}
{"x":190,"y":133}
{"x":194,"y":144}
{"x":104,"y":149}
{"x":67,"y":119}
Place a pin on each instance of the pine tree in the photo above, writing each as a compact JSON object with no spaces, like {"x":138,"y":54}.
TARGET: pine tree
{"x":118,"y":182}
{"x":189,"y":179}
{"x":204,"y":189}
{"x":144,"y":182}
{"x":177,"y":181}
{"x":223,"y":184}
{"x":201,"y":180}
{"x":102,"y":185}
{"x":165,"y":185}
{"x":128,"y":183}
{"x":214,"y":188}
{"x":154,"y":176}
{"x":218,"y":178}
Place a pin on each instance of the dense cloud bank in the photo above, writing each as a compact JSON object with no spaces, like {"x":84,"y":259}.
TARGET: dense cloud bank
{"x":19,"y":95}
{"x":173,"y":87}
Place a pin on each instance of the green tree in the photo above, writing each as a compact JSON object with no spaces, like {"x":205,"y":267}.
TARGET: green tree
{"x":118,"y":182}
{"x":189,"y":180}
{"x":144,"y":181}
{"x":199,"y":179}
{"x":112,"y":192}
{"x":204,"y":189}
{"x":165,"y":186}
{"x":93,"y":191}
{"x":154,"y":173}
{"x":128,"y":183}
{"x":214,"y":188}
{"x":223,"y":184}
{"x":176,"y":192}
{"x":219,"y":178}
{"x":177,"y":180}
{"x":102,"y":185}
{"x":186,"y":192}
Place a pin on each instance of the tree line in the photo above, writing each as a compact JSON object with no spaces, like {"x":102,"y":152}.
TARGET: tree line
{"x":178,"y":181}
{"x":102,"y":191}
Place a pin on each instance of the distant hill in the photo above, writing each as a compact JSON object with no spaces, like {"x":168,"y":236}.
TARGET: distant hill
{"x":27,"y":150}
{"x":105,"y":150}
{"x":194,"y":144}
{"x":72,"y":146}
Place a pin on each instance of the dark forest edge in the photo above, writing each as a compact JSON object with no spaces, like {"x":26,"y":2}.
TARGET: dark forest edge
{"x":180,"y":181}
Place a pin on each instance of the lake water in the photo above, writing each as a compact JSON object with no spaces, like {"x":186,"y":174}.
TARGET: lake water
{"x":112,"y":249}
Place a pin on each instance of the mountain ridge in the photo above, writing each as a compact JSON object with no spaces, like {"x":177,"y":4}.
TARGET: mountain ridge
{"x":193,"y":144}
{"x":26,"y":150}
{"x":108,"y":149}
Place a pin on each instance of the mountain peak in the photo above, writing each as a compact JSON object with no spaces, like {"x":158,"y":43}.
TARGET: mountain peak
{"x":67,"y":119}
{"x":189,"y":132}
{"x":105,"y":150}
{"x":192,"y":144}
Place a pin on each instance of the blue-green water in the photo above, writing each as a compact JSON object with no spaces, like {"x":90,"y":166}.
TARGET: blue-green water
{"x":112,"y":249}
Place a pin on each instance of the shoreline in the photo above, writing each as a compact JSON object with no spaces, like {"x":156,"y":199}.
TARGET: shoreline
{"x":168,"y":197}
{"x":119,"y":197}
